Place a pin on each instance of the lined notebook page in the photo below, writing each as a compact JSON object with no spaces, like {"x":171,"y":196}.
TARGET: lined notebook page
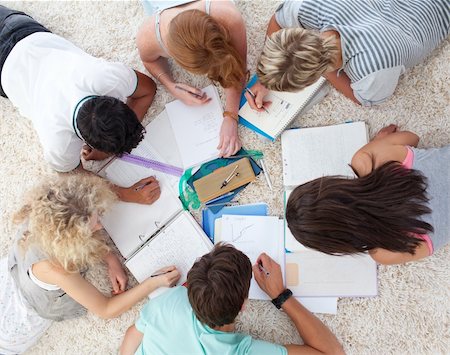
{"x":131,"y":224}
{"x":196,"y":128}
{"x":310,"y":153}
{"x":180,"y":243}
{"x":254,"y":235}
{"x":284,"y":108}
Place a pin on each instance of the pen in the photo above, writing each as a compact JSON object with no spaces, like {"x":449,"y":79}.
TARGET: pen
{"x":253,"y":97}
{"x":263,"y":269}
{"x":140,"y":187}
{"x":230,"y":203}
{"x":190,"y":92}
{"x":229,"y":177}
{"x":159,"y":274}
{"x":266,"y":174}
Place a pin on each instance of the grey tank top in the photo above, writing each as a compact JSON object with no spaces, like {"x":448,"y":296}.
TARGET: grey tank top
{"x":55,"y":305}
{"x":434,"y":163}
{"x":158,"y":20}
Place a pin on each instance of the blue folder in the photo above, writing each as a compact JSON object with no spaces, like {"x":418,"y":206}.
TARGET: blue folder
{"x":209,"y":217}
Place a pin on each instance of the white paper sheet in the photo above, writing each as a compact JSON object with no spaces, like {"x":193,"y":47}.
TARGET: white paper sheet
{"x":196,"y":128}
{"x":325,"y":305}
{"x":310,"y":153}
{"x":179,"y":244}
{"x":254,"y":235}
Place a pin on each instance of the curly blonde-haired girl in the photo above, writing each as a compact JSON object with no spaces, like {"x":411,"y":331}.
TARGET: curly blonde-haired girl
{"x":60,"y":237}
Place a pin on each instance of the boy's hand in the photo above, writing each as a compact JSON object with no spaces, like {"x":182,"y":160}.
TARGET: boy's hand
{"x":267,"y":274}
{"x":145,"y":191}
{"x":170,"y":276}
{"x":257,"y":103}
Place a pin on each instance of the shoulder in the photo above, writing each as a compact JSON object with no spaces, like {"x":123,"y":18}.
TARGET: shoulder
{"x":261,"y":347}
{"x":287,"y":13}
{"x":226,"y":13}
{"x":378,"y":86}
{"x":362,"y":163}
{"x":146,"y":41}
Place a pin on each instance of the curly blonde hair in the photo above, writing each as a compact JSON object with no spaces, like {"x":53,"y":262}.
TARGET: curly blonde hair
{"x":294,"y":58}
{"x":199,"y":44}
{"x":59,"y":212}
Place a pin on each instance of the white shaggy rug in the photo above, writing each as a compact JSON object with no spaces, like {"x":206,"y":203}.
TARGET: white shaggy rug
{"x":410,"y":314}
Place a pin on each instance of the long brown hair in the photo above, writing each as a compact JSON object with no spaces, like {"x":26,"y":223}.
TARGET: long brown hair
{"x":199,"y":44}
{"x":337,"y":215}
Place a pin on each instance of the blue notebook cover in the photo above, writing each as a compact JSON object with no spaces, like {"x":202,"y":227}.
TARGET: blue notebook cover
{"x":209,"y":217}
{"x":243,"y":121}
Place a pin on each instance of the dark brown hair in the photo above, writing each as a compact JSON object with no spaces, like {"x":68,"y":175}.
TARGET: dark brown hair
{"x":337,"y":215}
{"x":218,"y":285}
{"x":199,"y":44}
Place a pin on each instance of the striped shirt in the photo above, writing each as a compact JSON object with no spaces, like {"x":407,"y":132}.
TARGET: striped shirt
{"x":379,"y":38}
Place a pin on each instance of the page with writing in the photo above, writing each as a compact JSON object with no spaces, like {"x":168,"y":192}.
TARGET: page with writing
{"x":196,"y":128}
{"x":180,"y":243}
{"x":131,"y":224}
{"x":282,"y":111}
{"x":162,"y":138}
{"x":311,"y":273}
{"x":254,"y":235}
{"x":310,"y":153}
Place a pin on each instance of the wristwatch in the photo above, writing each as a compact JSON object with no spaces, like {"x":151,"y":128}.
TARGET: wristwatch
{"x":283,"y":297}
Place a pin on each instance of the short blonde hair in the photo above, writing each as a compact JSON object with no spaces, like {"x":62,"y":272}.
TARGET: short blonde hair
{"x":59,"y":212}
{"x":294,"y":58}
{"x":199,"y":44}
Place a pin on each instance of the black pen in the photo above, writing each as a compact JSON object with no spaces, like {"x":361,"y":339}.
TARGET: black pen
{"x":190,"y":92}
{"x":160,"y":273}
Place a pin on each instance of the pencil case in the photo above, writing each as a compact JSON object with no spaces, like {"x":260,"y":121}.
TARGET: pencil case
{"x":212,"y":185}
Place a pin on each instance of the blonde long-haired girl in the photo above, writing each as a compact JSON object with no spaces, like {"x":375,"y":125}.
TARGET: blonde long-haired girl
{"x":58,"y":240}
{"x":206,"y":38}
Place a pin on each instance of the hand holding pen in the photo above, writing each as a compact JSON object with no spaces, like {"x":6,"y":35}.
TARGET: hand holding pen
{"x":255,"y":97}
{"x":167,"y":276}
{"x":190,"y":95}
{"x":267,"y":273}
{"x":145,"y":191}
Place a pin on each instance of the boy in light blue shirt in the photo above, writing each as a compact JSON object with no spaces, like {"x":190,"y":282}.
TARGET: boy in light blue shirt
{"x":199,"y":318}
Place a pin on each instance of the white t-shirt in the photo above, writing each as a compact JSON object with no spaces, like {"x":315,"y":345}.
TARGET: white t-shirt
{"x":46,"y":76}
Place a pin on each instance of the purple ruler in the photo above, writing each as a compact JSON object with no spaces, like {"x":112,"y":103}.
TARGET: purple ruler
{"x":152,"y":164}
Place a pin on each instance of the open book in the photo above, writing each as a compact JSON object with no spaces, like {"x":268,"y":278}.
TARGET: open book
{"x":310,"y":153}
{"x":284,"y":108}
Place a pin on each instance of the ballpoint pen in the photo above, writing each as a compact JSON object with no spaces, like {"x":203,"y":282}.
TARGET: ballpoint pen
{"x":253,"y":97}
{"x":190,"y":92}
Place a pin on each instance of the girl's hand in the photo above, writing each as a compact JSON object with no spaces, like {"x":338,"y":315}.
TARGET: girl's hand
{"x":257,"y":103}
{"x":189,"y":95}
{"x":169,"y":278}
{"x":229,"y":140}
{"x":117,"y":275}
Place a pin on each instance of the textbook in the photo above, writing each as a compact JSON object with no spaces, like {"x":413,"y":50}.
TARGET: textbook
{"x":310,"y":153}
{"x":285,"y":107}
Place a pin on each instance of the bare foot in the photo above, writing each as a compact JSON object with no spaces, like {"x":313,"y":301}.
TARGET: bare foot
{"x":392,"y":128}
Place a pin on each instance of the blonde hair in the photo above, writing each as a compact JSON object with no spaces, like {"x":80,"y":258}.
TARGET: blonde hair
{"x":294,"y":58}
{"x":201,"y":45}
{"x":59,"y":213}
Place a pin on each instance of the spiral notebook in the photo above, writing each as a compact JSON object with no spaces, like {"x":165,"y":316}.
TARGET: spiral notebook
{"x":284,"y":108}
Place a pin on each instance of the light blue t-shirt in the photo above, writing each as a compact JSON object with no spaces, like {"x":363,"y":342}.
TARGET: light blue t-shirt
{"x":171,"y":327}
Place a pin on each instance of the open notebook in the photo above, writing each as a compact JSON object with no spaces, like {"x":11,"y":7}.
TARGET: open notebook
{"x":310,"y":153}
{"x":283,"y":110}
{"x":254,"y":235}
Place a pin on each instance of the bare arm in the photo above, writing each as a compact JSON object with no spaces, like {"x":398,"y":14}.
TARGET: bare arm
{"x":342,"y":84}
{"x":131,"y":341}
{"x":317,"y":337}
{"x":92,"y":299}
{"x":145,"y":191}
{"x":143,"y":96}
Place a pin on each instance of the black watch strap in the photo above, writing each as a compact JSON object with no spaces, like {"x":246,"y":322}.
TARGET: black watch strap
{"x":278,"y":302}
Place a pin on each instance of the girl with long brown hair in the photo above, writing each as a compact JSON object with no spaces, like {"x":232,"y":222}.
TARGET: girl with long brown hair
{"x":397,"y":209}
{"x":206,"y":38}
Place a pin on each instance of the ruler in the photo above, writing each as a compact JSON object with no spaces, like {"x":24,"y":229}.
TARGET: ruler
{"x":152,"y":164}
